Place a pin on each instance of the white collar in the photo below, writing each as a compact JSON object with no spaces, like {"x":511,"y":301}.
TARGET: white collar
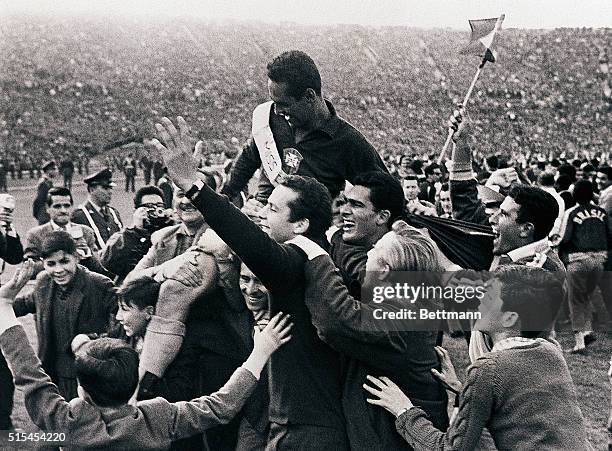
{"x":54,"y":226}
{"x":606,"y":191}
{"x":513,"y":342}
{"x":529,"y":250}
{"x":96,"y":206}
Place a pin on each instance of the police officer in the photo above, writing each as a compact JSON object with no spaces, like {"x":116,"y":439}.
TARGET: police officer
{"x":96,"y":211}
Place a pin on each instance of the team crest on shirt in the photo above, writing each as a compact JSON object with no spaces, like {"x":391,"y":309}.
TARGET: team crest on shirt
{"x":292,"y":159}
{"x":538,"y":260}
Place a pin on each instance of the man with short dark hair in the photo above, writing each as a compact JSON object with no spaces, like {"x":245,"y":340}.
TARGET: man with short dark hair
{"x":368,"y":210}
{"x":299,"y":132}
{"x":429,"y":189}
{"x":522,"y":391}
{"x":587,"y":233}
{"x":522,"y":223}
{"x":124,"y":249}
{"x":59,"y":207}
{"x":67,"y":300}
{"x":96,"y":212}
{"x":371,"y":206}
{"x":305,"y":377}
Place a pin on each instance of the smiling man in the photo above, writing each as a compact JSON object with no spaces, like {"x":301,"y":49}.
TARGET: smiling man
{"x":369,"y":209}
{"x":67,"y":300}
{"x":59,"y":207}
{"x":299,"y":132}
{"x":215,"y":325}
{"x":522,"y":223}
{"x":305,"y":378}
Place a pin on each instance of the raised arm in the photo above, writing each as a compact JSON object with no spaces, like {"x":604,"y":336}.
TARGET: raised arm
{"x":45,"y":406}
{"x":412,"y":423}
{"x":266,"y":258}
{"x":192,"y":417}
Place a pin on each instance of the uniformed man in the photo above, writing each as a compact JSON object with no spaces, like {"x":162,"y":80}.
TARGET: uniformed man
{"x":96,"y":211}
{"x":39,"y":210}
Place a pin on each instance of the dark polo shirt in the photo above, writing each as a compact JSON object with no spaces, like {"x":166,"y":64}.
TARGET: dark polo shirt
{"x":332,"y":153}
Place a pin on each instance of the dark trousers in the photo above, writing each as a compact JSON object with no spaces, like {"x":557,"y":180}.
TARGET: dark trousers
{"x":584,"y":272}
{"x":7,"y":390}
{"x":129,"y":182}
{"x":304,"y":437}
{"x":147,"y":176}
{"x":215,"y":370}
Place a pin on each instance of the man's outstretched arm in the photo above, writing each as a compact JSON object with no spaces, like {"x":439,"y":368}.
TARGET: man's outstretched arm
{"x":45,"y":406}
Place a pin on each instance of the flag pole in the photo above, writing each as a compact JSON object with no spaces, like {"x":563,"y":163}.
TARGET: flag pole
{"x":466,"y":99}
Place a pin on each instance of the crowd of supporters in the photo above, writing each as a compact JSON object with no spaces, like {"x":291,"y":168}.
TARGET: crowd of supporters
{"x":228,"y":318}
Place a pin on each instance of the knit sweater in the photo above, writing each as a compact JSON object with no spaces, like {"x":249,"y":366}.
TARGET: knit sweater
{"x":524,"y":396}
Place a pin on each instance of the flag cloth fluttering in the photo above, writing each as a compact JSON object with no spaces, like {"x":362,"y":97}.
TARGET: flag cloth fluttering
{"x":466,"y":244}
{"x":482,"y":40}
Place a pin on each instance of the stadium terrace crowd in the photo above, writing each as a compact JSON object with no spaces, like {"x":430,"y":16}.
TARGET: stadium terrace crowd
{"x":223,"y":319}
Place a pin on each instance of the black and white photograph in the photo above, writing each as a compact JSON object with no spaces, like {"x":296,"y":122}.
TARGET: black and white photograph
{"x":259,"y":225}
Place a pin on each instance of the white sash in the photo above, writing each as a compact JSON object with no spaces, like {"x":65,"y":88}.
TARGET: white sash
{"x":115,"y":218}
{"x":264,"y":139}
{"x":93,"y":225}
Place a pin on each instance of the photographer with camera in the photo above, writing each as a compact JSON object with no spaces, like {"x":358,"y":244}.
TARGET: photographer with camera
{"x":125,"y":248}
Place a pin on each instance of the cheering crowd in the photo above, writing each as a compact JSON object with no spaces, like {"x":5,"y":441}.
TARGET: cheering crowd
{"x":222,"y":319}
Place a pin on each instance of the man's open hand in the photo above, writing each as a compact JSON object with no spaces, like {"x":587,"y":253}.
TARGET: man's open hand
{"x":388,"y":395}
{"x":273,"y":336}
{"x":448,"y":376}
{"x":177,"y":151}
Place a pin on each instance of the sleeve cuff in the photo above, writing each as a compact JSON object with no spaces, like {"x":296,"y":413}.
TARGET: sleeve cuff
{"x":166,"y":326}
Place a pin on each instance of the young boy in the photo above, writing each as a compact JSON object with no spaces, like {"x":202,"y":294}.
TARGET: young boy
{"x":107,"y":372}
{"x":521,"y":391}
{"x":67,"y":300}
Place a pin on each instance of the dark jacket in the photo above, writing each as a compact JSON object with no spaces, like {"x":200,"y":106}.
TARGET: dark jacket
{"x":39,"y":209}
{"x":406,"y":357}
{"x":124,"y":250}
{"x":305,"y":378}
{"x":332,"y":154}
{"x":92,"y":303}
{"x":100,"y":226}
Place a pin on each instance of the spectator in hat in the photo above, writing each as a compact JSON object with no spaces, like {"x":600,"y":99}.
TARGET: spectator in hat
{"x":44,"y":184}
{"x":96,"y":211}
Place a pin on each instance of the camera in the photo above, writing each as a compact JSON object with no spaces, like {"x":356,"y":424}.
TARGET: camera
{"x":157,"y":219}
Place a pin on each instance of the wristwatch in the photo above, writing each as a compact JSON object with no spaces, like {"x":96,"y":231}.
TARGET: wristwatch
{"x":192,"y":192}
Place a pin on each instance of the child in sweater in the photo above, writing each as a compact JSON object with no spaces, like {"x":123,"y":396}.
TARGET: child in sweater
{"x":521,"y":391}
{"x":107,"y":372}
